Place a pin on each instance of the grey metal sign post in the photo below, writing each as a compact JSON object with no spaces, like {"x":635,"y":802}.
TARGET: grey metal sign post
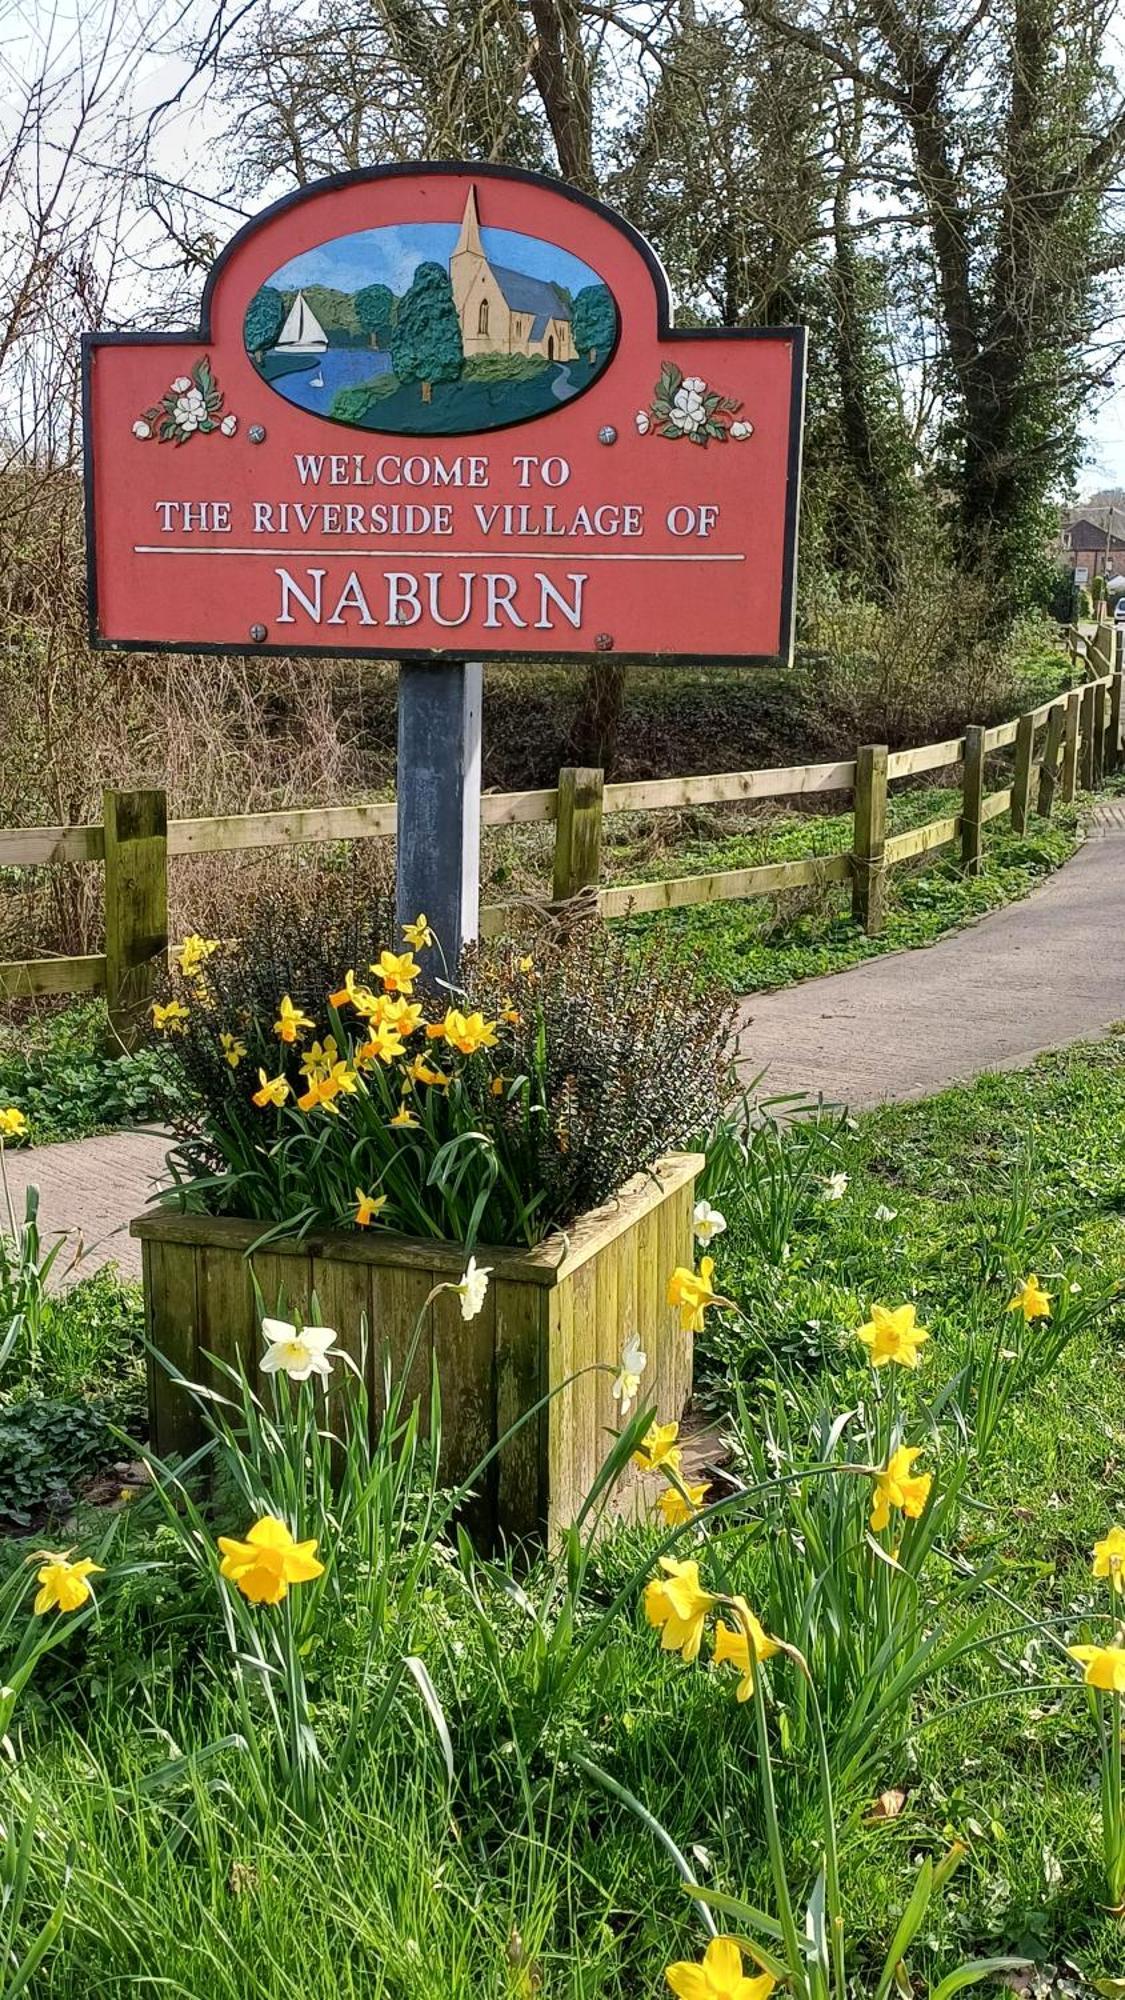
{"x":438,"y":849}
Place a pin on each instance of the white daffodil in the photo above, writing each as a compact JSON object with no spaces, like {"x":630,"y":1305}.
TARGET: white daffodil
{"x":835,"y":1187}
{"x":634,"y":1361}
{"x":707,"y":1222}
{"x":141,"y":429}
{"x":642,"y":421}
{"x":297,"y":1355}
{"x":739,"y":429}
{"x":883,"y":1213}
{"x":471,"y":1291}
{"x":181,"y":385}
{"x":228,"y":426}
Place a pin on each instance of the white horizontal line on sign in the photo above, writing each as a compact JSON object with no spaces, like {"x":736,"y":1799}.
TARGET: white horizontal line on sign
{"x":427,"y":555}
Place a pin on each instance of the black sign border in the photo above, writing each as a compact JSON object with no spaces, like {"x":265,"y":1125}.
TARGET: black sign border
{"x":666,"y":332}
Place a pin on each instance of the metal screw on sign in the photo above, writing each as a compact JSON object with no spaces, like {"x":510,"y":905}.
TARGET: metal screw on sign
{"x":603,"y":642}
{"x":257,"y":434}
{"x":607,"y":434}
{"x":257,"y":633}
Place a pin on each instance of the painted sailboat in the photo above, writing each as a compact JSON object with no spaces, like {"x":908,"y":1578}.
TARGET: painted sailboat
{"x":302,"y":332}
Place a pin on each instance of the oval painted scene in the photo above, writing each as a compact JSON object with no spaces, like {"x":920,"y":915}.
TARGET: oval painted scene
{"x":431,"y":329}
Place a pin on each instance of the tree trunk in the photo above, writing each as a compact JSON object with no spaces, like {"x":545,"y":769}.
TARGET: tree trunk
{"x":597,"y":724}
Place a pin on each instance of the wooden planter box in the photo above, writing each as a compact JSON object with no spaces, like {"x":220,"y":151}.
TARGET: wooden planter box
{"x":549,"y":1313}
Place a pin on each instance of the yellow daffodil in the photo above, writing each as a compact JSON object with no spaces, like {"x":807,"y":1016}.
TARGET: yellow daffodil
{"x":421,"y":1072}
{"x":232,"y":1048}
{"x":324,"y":1089}
{"x":677,"y":1605}
{"x":497,"y":1087}
{"x":658,"y":1447}
{"x":63,"y":1584}
{"x":404,"y":1016}
{"x":13,"y":1124}
{"x":268,"y":1561}
{"x":527,"y":963}
{"x":733,"y":1647}
{"x":893,"y":1336}
{"x":317,"y":1062}
{"x":274,"y":1090}
{"x":677,"y":1508}
{"x":511,"y":1014}
{"x":418,"y":934}
{"x":404,"y":1120}
{"x":1104,"y":1666}
{"x":368,"y":1206}
{"x":398,"y":971}
{"x":692,"y":1292}
{"x":290,"y":1022}
{"x":169,"y":1020}
{"x":193,"y":954}
{"x":719,"y":1977}
{"x":1109,"y":1558}
{"x":1031,"y":1300}
{"x":384,"y":1046}
{"x":466,"y":1032}
{"x":897,"y":1486}
{"x":352,"y":994}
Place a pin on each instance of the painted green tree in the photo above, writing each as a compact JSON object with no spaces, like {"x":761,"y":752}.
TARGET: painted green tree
{"x":426,"y":342}
{"x":262,"y":324}
{"x":595,"y":321}
{"x":374,"y":309}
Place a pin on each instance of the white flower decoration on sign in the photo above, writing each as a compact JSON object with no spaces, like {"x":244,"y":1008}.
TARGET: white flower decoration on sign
{"x":297,"y":1355}
{"x":191,"y":403}
{"x":707,"y":1222}
{"x":634,"y":1361}
{"x":684,"y":407}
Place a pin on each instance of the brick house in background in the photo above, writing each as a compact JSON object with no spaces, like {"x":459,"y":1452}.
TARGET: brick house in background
{"x":1084,"y":547}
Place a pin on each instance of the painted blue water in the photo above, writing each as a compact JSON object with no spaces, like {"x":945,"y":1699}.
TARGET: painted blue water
{"x":313,"y":388}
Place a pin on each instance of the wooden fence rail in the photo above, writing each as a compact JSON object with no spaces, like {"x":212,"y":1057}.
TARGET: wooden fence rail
{"x":1081,"y":731}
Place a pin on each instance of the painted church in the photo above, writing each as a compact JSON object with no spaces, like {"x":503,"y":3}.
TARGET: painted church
{"x":503,"y":311}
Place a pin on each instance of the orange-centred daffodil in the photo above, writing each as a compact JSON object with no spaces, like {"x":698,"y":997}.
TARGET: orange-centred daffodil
{"x":63,"y":1584}
{"x":318,"y":1060}
{"x":893,"y":1336}
{"x":398,"y":971}
{"x":404,"y":1120}
{"x":692,"y":1291}
{"x":352,"y":994}
{"x":421,"y":1072}
{"x":1109,"y":1558}
{"x":170,"y":1019}
{"x":719,"y":1976}
{"x":418,"y":934}
{"x":897,"y":1486}
{"x":13,"y":1124}
{"x":658,"y":1447}
{"x":404,"y":1016}
{"x":385,"y":1046}
{"x":290,"y":1022}
{"x":677,"y":1508}
{"x":465,"y":1032}
{"x":1104,"y":1666}
{"x":1031,"y":1300}
{"x":677,"y":1605}
{"x":368,"y":1206}
{"x":232,"y":1048}
{"x":733,"y":1647}
{"x":274,"y":1090}
{"x":268,"y":1561}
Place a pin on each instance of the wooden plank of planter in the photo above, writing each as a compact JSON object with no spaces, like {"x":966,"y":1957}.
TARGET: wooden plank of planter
{"x":227,"y":1314}
{"x":733,"y":885}
{"x":664,"y":794}
{"x":929,"y":757}
{"x":466,"y":1362}
{"x":20,"y":978}
{"x":171,"y":1328}
{"x":583,"y":1288}
{"x":398,"y":1309}
{"x":520,"y":1313}
{"x":606,"y":1345}
{"x":920,"y":839}
{"x":343,"y":1301}
{"x":561,"y":1427}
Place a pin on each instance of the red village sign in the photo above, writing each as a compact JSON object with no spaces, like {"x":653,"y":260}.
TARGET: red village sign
{"x":441,"y":411}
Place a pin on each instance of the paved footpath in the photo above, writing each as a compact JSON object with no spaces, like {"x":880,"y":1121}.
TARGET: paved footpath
{"x":1042,"y":972}
{"x":1030,"y":977}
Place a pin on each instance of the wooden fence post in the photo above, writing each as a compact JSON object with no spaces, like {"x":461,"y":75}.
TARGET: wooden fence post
{"x":1021,"y":776}
{"x":136,"y":906}
{"x":869,"y":869}
{"x":1049,"y":769}
{"x":972,"y":799}
{"x":578,"y":831}
{"x":1071,"y":745}
{"x":1113,"y":740}
{"x":1086,"y":750}
{"x":1100,"y":726}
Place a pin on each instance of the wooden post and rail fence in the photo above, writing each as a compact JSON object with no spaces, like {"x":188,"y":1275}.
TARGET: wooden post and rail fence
{"x":1081,"y":741}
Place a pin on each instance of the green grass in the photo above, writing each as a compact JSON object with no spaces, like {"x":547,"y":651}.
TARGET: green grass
{"x":518,"y":1876}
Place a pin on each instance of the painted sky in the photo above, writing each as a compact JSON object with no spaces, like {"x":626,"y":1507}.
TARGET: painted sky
{"x":391,"y":256}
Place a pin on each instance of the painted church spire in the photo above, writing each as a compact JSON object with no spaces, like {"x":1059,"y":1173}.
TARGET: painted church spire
{"x":469,"y":239}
